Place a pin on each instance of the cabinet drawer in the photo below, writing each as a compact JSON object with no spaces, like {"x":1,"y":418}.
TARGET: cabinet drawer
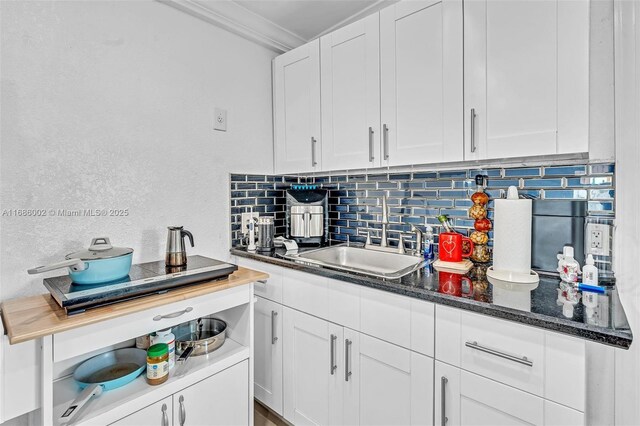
{"x":344,"y":303}
{"x":270,"y":288}
{"x":496,"y":349}
{"x":106,"y":333}
{"x":386,"y":316}
{"x":305,"y":292}
{"x":504,"y":351}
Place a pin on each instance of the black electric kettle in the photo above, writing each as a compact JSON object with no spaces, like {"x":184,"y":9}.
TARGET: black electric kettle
{"x":176,"y":251}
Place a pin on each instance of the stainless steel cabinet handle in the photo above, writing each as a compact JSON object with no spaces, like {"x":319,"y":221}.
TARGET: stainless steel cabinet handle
{"x":274,"y":338}
{"x":385,"y":141}
{"x":347,"y":359}
{"x":443,"y":401}
{"x":165,"y":418}
{"x":313,"y":152}
{"x":473,"y":130}
{"x":173,"y":315}
{"x":519,"y":360}
{"x":262,"y":282}
{"x":371,"y":157}
{"x":182,"y":415}
{"x":333,"y":366}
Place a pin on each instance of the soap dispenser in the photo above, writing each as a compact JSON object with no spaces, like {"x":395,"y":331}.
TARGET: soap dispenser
{"x":568,"y":267}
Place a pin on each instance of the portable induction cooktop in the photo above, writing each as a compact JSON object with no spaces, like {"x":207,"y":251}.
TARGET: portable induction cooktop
{"x":143,"y":279}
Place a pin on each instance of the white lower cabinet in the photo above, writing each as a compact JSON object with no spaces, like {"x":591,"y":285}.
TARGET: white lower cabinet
{"x":268,"y":354}
{"x":311,"y":377}
{"x":220,"y":400}
{"x":385,"y":384}
{"x":336,"y":353}
{"x":338,"y":376}
{"x":157,"y":414}
{"x":464,"y":398}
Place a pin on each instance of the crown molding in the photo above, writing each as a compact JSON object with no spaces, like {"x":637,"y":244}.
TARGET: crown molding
{"x":372,"y":8}
{"x":238,"y":20}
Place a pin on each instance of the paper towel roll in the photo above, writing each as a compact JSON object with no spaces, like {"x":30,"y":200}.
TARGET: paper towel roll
{"x":512,"y":234}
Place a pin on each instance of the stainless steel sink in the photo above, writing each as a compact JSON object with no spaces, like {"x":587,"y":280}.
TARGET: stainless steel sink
{"x":362,"y":261}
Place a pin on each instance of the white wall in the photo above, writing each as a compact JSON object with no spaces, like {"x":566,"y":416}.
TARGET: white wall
{"x":627,"y":363}
{"x":109,"y":104}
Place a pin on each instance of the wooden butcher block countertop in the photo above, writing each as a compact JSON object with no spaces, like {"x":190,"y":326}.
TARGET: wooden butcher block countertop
{"x":32,"y":317}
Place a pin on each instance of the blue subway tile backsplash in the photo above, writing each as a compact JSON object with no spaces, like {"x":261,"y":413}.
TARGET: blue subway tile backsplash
{"x":417,"y":197}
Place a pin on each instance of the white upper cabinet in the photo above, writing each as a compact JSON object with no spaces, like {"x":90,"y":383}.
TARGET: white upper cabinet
{"x":526,"y":77}
{"x":421,"y":82}
{"x":296,"y":94}
{"x":350,"y":79}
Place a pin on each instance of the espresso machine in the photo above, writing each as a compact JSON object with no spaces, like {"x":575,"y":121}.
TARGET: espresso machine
{"x":307,"y":219}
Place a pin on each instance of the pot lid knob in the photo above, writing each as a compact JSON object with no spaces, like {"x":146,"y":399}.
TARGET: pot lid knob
{"x":100,"y":244}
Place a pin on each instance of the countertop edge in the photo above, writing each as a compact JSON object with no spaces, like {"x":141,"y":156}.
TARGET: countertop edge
{"x":12,"y":310}
{"x":583,"y":331}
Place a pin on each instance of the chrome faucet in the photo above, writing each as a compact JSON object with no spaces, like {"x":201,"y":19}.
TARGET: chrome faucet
{"x":419,"y":239}
{"x":384,"y":243}
{"x":385,"y":221}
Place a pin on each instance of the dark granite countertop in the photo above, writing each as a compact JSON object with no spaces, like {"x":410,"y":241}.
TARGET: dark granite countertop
{"x":541,"y":307}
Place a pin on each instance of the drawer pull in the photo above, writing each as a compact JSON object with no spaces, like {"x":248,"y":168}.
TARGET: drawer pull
{"x":332,"y":349}
{"x":313,"y":152}
{"x":443,"y":401}
{"x":385,"y":140}
{"x":274,"y":338}
{"x":262,"y":282}
{"x":165,"y":418}
{"x":473,"y":130}
{"x":371,"y":157}
{"x":182,"y":414}
{"x":173,"y":315}
{"x":523,"y":360}
{"x":347,"y":360}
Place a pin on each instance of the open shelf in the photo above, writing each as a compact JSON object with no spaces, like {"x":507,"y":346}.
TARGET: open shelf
{"x":115,"y":404}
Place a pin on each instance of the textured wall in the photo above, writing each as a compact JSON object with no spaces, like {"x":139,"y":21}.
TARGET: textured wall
{"x":110,"y":105}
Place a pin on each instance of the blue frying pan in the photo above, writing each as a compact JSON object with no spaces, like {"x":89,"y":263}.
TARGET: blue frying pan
{"x":104,"y":372}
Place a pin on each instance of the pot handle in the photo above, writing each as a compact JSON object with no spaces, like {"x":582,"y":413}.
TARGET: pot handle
{"x":100,"y":244}
{"x":75,"y":265}
{"x":77,"y":404}
{"x":188,"y":234}
{"x":182,"y":361}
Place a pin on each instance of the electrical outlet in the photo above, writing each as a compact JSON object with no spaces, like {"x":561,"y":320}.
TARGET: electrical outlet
{"x":246,"y":218}
{"x":220,"y":119}
{"x":597,"y":239}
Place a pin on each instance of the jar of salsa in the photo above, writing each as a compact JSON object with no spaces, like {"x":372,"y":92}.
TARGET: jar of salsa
{"x":158,"y":364}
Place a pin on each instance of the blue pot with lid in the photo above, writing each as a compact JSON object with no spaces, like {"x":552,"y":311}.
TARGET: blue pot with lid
{"x":100,"y":263}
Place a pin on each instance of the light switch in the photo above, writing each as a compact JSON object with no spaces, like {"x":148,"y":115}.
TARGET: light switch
{"x":220,"y":119}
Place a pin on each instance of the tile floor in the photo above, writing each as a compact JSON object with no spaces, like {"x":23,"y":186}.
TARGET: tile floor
{"x":264,"y":417}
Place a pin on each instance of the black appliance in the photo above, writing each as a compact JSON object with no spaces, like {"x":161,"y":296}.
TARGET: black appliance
{"x":555,"y":224}
{"x":307,"y":218}
{"x":143,"y":279}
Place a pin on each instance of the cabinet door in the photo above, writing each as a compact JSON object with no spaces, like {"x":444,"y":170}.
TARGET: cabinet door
{"x":267,"y":367}
{"x":222,"y":399}
{"x":313,"y":360}
{"x":296,"y":92}
{"x":385,"y":384}
{"x":350,"y":78}
{"x":421,"y":82}
{"x":526,"y":77}
{"x":463,"y":398}
{"x":158,"y":414}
